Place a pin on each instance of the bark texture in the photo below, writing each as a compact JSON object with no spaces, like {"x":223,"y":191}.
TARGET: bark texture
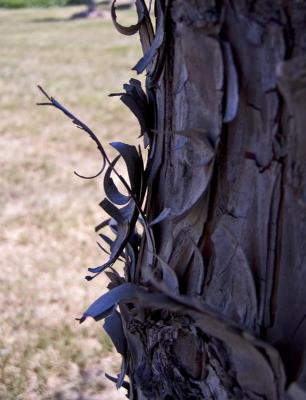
{"x":220,"y":311}
{"x":229,"y":161}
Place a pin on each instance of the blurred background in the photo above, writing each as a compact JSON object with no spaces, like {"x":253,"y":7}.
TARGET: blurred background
{"x":48,"y":214}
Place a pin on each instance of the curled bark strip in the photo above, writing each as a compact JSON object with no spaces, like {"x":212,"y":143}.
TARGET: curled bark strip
{"x":295,"y":392}
{"x":161,"y":217}
{"x":143,"y":26}
{"x":157,"y":42}
{"x":110,"y":188}
{"x":169,"y":279}
{"x":146,"y":31}
{"x":113,"y":327}
{"x":124,"y":30}
{"x":124,"y":384}
{"x":231,"y":84}
{"x":80,"y":125}
{"x":232,"y":288}
{"x":134,"y":165}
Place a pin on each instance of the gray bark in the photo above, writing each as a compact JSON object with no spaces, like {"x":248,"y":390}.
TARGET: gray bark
{"x":212,"y":305}
{"x":229,"y":161}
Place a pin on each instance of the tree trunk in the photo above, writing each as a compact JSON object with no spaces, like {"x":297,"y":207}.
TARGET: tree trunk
{"x":228,"y":160}
{"x":214,"y":307}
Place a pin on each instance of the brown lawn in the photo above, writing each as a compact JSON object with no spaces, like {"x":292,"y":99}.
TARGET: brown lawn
{"x":48,"y":215}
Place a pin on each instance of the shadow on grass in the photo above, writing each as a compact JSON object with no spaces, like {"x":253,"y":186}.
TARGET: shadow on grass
{"x":43,"y":20}
{"x":80,"y":15}
{"x":84,"y":14}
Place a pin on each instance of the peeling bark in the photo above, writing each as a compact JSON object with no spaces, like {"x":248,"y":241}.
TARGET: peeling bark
{"x":229,"y":161}
{"x":212,"y":304}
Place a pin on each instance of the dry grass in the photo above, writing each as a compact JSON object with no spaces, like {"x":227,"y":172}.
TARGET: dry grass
{"x":47,"y":214}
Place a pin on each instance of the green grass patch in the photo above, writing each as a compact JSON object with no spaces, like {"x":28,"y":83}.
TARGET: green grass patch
{"x":37,"y":3}
{"x":31,"y":3}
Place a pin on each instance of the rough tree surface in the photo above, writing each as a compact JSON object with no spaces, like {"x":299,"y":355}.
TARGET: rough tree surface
{"x":212,"y":305}
{"x":235,"y":79}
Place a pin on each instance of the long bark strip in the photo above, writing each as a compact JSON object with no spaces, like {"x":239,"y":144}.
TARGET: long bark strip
{"x":230,"y":162}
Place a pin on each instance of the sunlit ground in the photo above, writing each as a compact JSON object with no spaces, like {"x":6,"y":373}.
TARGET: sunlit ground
{"x":48,"y":215}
